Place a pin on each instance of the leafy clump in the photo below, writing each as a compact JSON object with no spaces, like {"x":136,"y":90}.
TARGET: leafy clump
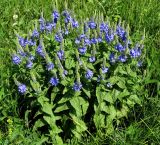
{"x":77,"y":76}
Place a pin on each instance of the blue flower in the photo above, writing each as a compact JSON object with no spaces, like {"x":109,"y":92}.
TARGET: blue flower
{"x":77,"y":41}
{"x":60,"y":54}
{"x":112,"y":58}
{"x":31,"y":42}
{"x":99,"y":39}
{"x":16,"y":59}
{"x":29,"y":64}
{"x":121,"y":33}
{"x":22,"y":88}
{"x":49,"y":27}
{"x":92,"y":59}
{"x":89,"y":74}
{"x":35,"y":33}
{"x":122,"y":58}
{"x":42,"y":24}
{"x":85,"y":28}
{"x":120,"y":48}
{"x":92,"y":25}
{"x":109,"y":85}
{"x":65,"y":72}
{"x":22,"y":41}
{"x":139,"y":64}
{"x":87,"y":42}
{"x":39,"y":50}
{"x":77,"y":86}
{"x":135,"y":52}
{"x":66,"y":32}
{"x":75,"y":23}
{"x":103,"y":27}
{"x":54,"y":81}
{"x":109,"y":38}
{"x":99,"y":78}
{"x":94,"y":40}
{"x":82,"y":36}
{"x":80,"y":62}
{"x":82,"y":50}
{"x":41,"y":20}
{"x":31,"y":57}
{"x":58,"y":38}
{"x":55,"y":15}
{"x":138,"y":52}
{"x":67,"y":17}
{"x":104,"y":69}
{"x":42,"y":27}
{"x":22,"y":53}
{"x":50,"y":66}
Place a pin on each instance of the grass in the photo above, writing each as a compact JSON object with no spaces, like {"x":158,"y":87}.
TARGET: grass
{"x":143,"y":123}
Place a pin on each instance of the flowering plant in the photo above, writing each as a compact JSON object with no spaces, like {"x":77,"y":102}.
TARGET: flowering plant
{"x":77,"y":76}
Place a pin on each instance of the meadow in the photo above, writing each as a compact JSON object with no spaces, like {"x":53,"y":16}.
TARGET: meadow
{"x":139,"y":124}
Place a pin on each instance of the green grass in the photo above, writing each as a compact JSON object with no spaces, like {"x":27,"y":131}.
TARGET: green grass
{"x":143,"y":123}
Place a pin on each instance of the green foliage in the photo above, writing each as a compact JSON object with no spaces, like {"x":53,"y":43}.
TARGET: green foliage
{"x":58,"y":105}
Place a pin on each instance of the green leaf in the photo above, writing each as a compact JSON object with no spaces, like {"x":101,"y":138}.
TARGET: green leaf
{"x":36,"y":86}
{"x":69,"y":63}
{"x":120,"y":70}
{"x":64,"y":83}
{"x":65,"y":90}
{"x":60,"y":108}
{"x":135,"y":99}
{"x":121,"y":84}
{"x":99,"y":94}
{"x":123,"y":94}
{"x":87,"y":92}
{"x":80,"y":105}
{"x":115,"y":94}
{"x":108,"y":97}
{"x":151,"y":81}
{"x":42,"y":99}
{"x":130,"y":82}
{"x":80,"y":126}
{"x":99,"y":120}
{"x":76,"y":133}
{"x":123,"y":112}
{"x":131,"y":72}
{"x":47,"y":108}
{"x":42,"y":140}
{"x":113,"y":80}
{"x":109,"y":124}
{"x":64,"y":99}
{"x":47,"y":37}
{"x":1,"y":93}
{"x":90,"y":66}
{"x":112,"y":111}
{"x":39,"y":123}
{"x":51,"y":120}
{"x":57,"y":139}
{"x":54,"y":93}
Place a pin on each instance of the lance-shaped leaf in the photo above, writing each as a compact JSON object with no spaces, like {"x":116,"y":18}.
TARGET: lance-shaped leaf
{"x":61,"y":107}
{"x":99,"y":120}
{"x":69,"y":63}
{"x":47,"y":108}
{"x":80,"y":105}
{"x":39,"y":123}
{"x":80,"y":126}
